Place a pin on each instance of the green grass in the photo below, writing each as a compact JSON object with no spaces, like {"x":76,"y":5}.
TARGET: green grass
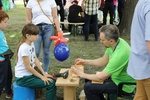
{"x":78,"y":48}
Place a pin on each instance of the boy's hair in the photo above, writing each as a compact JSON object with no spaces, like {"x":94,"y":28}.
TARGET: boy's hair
{"x":30,"y":29}
{"x":110,"y":31}
{"x":3,"y":15}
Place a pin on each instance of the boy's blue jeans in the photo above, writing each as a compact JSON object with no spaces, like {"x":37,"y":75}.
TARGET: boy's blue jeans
{"x":95,"y":91}
{"x":5,"y":76}
{"x":91,"y":19}
{"x":46,"y":31}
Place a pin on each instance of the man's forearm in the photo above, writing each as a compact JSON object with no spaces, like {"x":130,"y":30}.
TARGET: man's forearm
{"x":92,"y":77}
{"x":96,"y":62}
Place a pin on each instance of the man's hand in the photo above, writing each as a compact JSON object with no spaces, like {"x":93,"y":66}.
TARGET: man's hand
{"x":77,"y":71}
{"x":79,"y":61}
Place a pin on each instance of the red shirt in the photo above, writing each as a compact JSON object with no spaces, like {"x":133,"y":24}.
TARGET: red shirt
{"x":102,"y":2}
{"x":2,"y":60}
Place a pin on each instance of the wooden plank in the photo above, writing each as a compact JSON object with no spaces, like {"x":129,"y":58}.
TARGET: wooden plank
{"x":72,"y":23}
{"x":78,"y":66}
{"x":97,"y":82}
{"x":66,"y":33}
{"x":69,"y":93}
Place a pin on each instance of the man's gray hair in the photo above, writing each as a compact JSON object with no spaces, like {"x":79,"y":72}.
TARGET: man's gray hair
{"x":110,"y":31}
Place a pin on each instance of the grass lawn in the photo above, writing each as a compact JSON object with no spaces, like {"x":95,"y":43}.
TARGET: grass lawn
{"x":78,"y":48}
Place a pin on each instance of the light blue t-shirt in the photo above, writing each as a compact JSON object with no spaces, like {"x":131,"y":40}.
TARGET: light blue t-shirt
{"x":3,"y":44}
{"x":139,"y":63}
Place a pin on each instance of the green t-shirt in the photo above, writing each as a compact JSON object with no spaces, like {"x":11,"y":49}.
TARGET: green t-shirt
{"x":117,"y":65}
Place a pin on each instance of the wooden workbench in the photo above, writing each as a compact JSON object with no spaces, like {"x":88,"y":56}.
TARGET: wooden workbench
{"x":69,"y":85}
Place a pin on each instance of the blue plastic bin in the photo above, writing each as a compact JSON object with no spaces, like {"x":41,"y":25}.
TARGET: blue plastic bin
{"x":23,"y":93}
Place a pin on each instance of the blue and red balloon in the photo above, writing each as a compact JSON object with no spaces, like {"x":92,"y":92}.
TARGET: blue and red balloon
{"x":58,"y":39}
{"x":61,"y":50}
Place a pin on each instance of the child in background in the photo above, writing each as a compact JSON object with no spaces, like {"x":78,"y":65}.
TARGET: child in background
{"x":1,"y":5}
{"x":26,"y":59}
{"x":5,"y":64}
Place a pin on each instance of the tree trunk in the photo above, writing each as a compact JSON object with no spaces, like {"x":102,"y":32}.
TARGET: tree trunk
{"x":125,"y":24}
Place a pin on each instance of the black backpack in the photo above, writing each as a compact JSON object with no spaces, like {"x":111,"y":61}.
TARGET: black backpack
{"x":1,"y":3}
{"x":7,"y":54}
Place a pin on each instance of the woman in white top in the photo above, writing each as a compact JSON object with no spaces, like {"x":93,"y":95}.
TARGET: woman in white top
{"x":35,"y":15}
{"x":26,"y":60}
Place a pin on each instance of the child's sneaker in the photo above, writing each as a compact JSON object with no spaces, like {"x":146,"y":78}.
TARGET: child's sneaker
{"x":8,"y":96}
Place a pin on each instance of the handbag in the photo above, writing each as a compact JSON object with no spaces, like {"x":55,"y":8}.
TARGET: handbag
{"x":7,"y":54}
{"x":55,"y":30}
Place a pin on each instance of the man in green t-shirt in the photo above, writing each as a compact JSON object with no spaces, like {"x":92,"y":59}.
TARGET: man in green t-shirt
{"x":115,"y":61}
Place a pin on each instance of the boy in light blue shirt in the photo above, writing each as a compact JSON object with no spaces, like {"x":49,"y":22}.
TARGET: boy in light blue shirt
{"x":5,"y":64}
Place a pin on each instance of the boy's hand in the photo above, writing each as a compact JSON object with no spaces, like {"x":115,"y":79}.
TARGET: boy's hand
{"x":48,"y":75}
{"x":47,"y":80}
{"x":79,"y":61}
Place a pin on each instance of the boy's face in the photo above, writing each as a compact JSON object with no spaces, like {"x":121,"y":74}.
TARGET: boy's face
{"x":32,"y":38}
{"x":4,"y":23}
{"x":104,"y":41}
